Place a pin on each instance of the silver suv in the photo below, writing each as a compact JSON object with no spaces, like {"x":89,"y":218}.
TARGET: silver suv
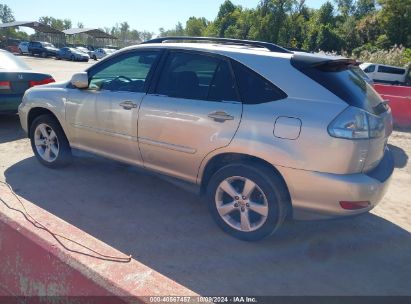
{"x":263,"y":132}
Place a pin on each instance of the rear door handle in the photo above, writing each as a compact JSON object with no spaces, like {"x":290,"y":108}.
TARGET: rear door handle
{"x":220,"y":116}
{"x":128,"y":105}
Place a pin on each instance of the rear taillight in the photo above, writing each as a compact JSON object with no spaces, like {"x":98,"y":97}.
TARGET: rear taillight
{"x":355,"y":123}
{"x":33,"y":83}
{"x":355,"y":205}
{"x":4,"y":85}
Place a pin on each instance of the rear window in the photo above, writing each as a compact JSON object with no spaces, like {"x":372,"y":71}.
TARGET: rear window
{"x":11,"y":62}
{"x":346,"y":83}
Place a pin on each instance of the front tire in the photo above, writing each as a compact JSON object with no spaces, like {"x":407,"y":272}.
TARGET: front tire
{"x":248,"y":201}
{"x":49,"y":143}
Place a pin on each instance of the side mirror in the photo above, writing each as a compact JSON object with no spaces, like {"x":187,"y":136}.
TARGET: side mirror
{"x":80,"y":80}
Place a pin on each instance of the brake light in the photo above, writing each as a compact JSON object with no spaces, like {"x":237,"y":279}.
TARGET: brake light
{"x":4,"y":85}
{"x":33,"y":83}
{"x":355,"y":205}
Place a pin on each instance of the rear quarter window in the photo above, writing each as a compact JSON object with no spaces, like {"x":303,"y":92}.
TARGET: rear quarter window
{"x":255,"y":89}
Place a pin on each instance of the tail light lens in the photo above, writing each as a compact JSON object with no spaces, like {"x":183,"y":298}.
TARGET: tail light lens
{"x":4,"y":85}
{"x":33,"y":83}
{"x":355,"y":205}
{"x":355,"y":123}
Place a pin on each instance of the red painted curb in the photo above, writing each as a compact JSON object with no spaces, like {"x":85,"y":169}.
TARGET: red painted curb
{"x":33,"y":263}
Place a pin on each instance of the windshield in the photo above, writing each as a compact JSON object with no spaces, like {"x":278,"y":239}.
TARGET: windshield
{"x":11,"y":62}
{"x":46,"y":44}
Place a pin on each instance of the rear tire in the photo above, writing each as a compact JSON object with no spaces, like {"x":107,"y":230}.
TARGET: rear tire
{"x":256,"y":205}
{"x":49,"y":143}
{"x":43,"y":54}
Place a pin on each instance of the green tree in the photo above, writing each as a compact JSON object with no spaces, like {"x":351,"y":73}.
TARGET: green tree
{"x":226,"y":17}
{"x":196,"y":26}
{"x":6,"y":14}
{"x":58,"y":24}
{"x":395,"y":18}
{"x":364,"y":8}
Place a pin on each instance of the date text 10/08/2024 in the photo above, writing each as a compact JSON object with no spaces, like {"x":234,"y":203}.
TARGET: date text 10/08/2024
{"x":199,"y":299}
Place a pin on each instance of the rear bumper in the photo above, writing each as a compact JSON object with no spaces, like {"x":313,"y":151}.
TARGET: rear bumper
{"x":318,"y":195}
{"x":10,"y":102}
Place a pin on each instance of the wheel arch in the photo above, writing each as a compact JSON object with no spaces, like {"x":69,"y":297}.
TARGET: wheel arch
{"x":38,"y":111}
{"x":220,"y":160}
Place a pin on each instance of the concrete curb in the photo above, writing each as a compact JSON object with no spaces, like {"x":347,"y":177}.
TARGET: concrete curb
{"x":35,"y":264}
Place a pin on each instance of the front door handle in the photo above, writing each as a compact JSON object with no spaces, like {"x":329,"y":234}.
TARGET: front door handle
{"x":128,"y":105}
{"x":220,"y":116}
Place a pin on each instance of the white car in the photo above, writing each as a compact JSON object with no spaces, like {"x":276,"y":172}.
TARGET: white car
{"x":90,"y":53}
{"x":384,"y":73}
{"x":24,"y":47}
{"x":102,"y":52}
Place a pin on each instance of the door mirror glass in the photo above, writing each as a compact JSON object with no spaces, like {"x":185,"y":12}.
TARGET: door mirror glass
{"x":80,"y":80}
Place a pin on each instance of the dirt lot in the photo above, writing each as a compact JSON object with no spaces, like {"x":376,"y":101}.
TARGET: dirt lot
{"x":170,"y":230}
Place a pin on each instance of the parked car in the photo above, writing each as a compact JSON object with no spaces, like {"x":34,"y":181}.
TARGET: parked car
{"x":264,"y":133}
{"x":24,"y":47}
{"x":385,"y":73}
{"x":101,"y":53}
{"x":83,"y":49}
{"x":15,"y":78}
{"x":44,"y":49}
{"x":72,"y":54}
{"x":11,"y":45}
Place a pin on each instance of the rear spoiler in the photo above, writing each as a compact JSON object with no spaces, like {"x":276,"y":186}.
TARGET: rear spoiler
{"x":324,"y":63}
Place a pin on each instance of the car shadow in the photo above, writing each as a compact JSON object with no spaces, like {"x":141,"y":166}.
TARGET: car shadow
{"x":171,"y":231}
{"x":400,"y":156}
{"x":10,"y":128}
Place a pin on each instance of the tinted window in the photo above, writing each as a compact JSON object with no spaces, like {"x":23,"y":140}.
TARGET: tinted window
{"x":223,"y":86}
{"x":390,"y":70}
{"x":344,"y":82}
{"x":255,"y":89}
{"x":370,"y":69}
{"x":194,"y":76}
{"x":124,"y":73}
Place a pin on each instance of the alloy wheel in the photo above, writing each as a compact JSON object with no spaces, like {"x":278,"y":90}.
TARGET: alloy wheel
{"x":46,"y":142}
{"x":241,"y":203}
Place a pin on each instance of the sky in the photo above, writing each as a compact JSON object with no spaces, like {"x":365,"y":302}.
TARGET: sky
{"x":147,"y":15}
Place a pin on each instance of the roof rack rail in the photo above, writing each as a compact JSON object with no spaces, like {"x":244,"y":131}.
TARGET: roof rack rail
{"x":269,"y":46}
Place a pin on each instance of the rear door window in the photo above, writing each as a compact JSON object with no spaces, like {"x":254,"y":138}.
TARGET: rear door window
{"x":196,"y":76}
